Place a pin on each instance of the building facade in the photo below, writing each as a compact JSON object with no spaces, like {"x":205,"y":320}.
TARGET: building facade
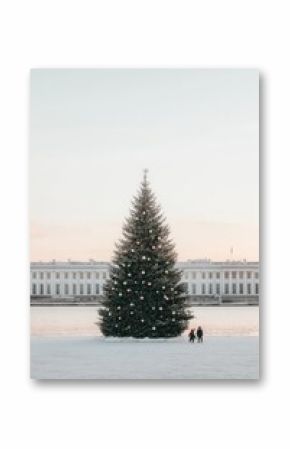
{"x":205,"y":278}
{"x":202,"y":279}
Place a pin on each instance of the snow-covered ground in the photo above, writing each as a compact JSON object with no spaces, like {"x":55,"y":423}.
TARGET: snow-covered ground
{"x":81,"y":321}
{"x":80,"y":357}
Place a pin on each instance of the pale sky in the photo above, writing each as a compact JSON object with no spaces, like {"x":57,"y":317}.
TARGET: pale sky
{"x":92,"y":132}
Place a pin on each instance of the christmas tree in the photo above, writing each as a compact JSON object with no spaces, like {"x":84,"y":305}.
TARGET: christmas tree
{"x":144,"y":296}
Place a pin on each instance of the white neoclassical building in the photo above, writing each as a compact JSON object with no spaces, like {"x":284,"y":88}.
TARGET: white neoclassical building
{"x":68,"y":279}
{"x":202,"y":278}
{"x":229,"y":278}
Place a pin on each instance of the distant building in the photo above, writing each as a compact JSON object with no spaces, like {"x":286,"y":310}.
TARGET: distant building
{"x":68,"y":279}
{"x":221,"y":280}
{"x":204,"y":279}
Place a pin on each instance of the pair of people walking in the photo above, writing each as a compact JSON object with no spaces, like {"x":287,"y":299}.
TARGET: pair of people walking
{"x":199,"y":335}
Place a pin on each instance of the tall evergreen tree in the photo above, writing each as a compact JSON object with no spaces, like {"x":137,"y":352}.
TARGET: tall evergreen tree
{"x":144,"y":296}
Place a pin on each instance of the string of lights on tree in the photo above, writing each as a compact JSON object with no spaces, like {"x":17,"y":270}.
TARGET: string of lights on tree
{"x":144,"y":296}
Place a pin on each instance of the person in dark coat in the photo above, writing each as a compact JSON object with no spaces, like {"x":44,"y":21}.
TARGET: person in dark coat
{"x":191,"y":336}
{"x":199,"y":334}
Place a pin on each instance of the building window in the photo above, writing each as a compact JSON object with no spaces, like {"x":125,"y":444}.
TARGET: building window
{"x":66,"y":289}
{"x":81,"y":275}
{"x":185,"y":287}
{"x":241,"y":289}
{"x":81,"y":289}
{"x":104,"y":275}
{"x":203,"y":275}
{"x":41,"y":289}
{"x":88,"y":275}
{"x":34,"y":290}
{"x":193,"y":289}
{"x":218,"y":289}
{"x":226,"y":289}
{"x":57,"y":275}
{"x":34,"y":275}
{"x":65,"y":275}
{"x":48,"y":291}
{"x":217,"y":275}
{"x":57,"y":289}
{"x":234,"y":289}
{"x":74,"y":289}
{"x":47,"y":275}
{"x":193,"y":275}
{"x":97,"y":275}
{"x":241,"y":274}
{"x":256,"y":275}
{"x":41,"y":275}
{"x":210,"y":275}
{"x":226,"y":274}
{"x":88,"y":289}
{"x":249,"y":289}
{"x":249,"y":275}
{"x":210,"y":289}
{"x":74,"y":275}
{"x":203,"y":289}
{"x":257,"y":289}
{"x":97,"y":289}
{"x":234,"y":274}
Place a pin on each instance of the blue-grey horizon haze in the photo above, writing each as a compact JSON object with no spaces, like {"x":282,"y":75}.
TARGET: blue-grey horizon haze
{"x":92,"y":133}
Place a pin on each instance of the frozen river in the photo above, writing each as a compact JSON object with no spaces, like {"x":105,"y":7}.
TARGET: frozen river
{"x":111,"y":358}
{"x":66,"y":344}
{"x":80,"y":321}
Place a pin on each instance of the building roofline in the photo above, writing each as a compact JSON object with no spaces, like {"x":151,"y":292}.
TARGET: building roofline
{"x":189,"y":263}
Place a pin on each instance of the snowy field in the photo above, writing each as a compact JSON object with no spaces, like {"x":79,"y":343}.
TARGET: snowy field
{"x":228,"y":357}
{"x":81,"y":321}
{"x":67,"y":344}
